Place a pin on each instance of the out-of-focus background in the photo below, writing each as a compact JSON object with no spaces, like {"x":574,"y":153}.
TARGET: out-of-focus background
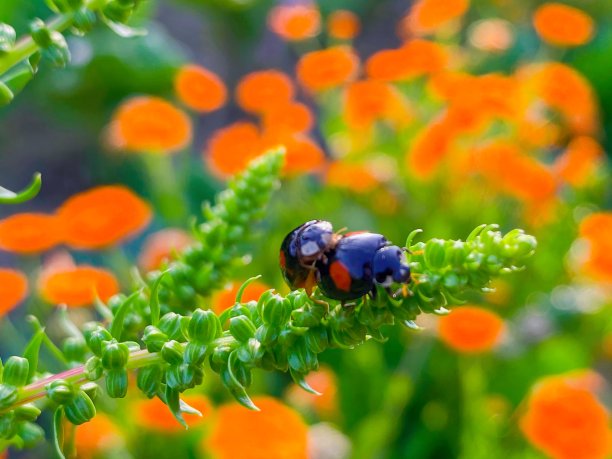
{"x":430,"y":115}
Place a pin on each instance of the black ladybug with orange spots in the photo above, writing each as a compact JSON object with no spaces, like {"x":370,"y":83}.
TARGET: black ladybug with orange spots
{"x":345,"y":267}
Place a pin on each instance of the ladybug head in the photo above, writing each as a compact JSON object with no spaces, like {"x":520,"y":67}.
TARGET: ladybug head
{"x":315,"y":238}
{"x":390,"y":266}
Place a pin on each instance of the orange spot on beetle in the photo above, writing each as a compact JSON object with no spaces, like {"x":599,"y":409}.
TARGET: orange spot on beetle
{"x":282,"y":260}
{"x":340,"y":275}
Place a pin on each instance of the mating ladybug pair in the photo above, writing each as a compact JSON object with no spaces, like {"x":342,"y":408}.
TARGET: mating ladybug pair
{"x":345,"y":267}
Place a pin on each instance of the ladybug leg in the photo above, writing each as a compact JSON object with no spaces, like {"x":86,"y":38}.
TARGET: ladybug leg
{"x":350,"y":307}
{"x":324,"y":304}
{"x":310,"y":283}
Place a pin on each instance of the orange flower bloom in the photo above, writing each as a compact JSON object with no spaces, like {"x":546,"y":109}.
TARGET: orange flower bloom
{"x":102,"y":216}
{"x":97,"y":435}
{"x":514,"y":173}
{"x":323,"y":381}
{"x":366,"y":102}
{"x":29,"y":233}
{"x":303,"y":155}
{"x":566,"y":90}
{"x":565,"y":420}
{"x":415,"y":58}
{"x":153,"y":414}
{"x":563,"y":25}
{"x":327,"y":68}
{"x":596,"y":229}
{"x":199,"y":88}
{"x":226,"y":298}
{"x":150,"y":124}
{"x":275,"y":432}
{"x":265,"y":90}
{"x":13,"y":289}
{"x":160,"y":247}
{"x":231,"y":148}
{"x":470,"y":329}
{"x":295,"y":22}
{"x":343,"y":25}
{"x":430,"y":147}
{"x":289,"y":119}
{"x":426,"y":16}
{"x":579,"y":161}
{"x":78,"y":286}
{"x":356,"y":177}
{"x":492,"y":35}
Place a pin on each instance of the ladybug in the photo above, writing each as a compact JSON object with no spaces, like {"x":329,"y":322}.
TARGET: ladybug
{"x":302,"y":248}
{"x":357,"y":263}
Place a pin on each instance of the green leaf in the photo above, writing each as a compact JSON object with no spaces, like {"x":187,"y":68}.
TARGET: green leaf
{"x":50,"y":345}
{"x":10,"y":197}
{"x":243,"y":287}
{"x":58,"y":432}
{"x":117,"y":325}
{"x":123,"y":30}
{"x":174,"y":403}
{"x":154,"y":306}
{"x":298,"y":378}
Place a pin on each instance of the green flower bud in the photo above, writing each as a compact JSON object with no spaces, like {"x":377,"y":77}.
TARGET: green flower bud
{"x":195,"y":353}
{"x":204,"y":326}
{"x":172,"y":352}
{"x":81,"y":409}
{"x":30,"y":434}
{"x":435,"y":253}
{"x":16,"y":371}
{"x":91,"y":389}
{"x":172,"y":325}
{"x":183,"y":376}
{"x":8,"y":425}
{"x":276,"y":311}
{"x":40,"y":33}
{"x":116,"y":383}
{"x":7,"y":38}
{"x":60,"y":391}
{"x":8,"y":395}
{"x":266,"y":335}
{"x":455,"y":253}
{"x":154,"y":338}
{"x":242,"y":328}
{"x":115,"y":355}
{"x":57,"y":52}
{"x":6,"y":95}
{"x":93,"y":368}
{"x":149,"y":379}
{"x":115,"y":302}
{"x":251,"y":352}
{"x":301,"y":358}
{"x":316,"y":339}
{"x":27,"y":412}
{"x":95,"y":335}
{"x":75,"y":349}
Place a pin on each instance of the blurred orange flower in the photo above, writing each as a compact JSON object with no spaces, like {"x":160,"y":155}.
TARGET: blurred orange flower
{"x":303,"y":155}
{"x":13,"y":289}
{"x":324,"y":381}
{"x":343,"y":25}
{"x":470,"y":329}
{"x":160,"y":247}
{"x":355,"y":177}
{"x":426,"y":16}
{"x":199,"y":88}
{"x":429,"y":148}
{"x":29,"y":233}
{"x":563,"y":25}
{"x":295,"y":22}
{"x":264,"y":90}
{"x":565,"y":420}
{"x":366,"y":102}
{"x":566,"y":90}
{"x":97,"y":435}
{"x":151,"y":125}
{"x":102,"y":216}
{"x":226,"y":298}
{"x":596,"y":229}
{"x":275,"y":432}
{"x":413,"y":59}
{"x":288,"y":119}
{"x":577,"y":164}
{"x":514,"y":173}
{"x":231,"y":148}
{"x":78,"y":286}
{"x":153,"y":414}
{"x":327,"y":68}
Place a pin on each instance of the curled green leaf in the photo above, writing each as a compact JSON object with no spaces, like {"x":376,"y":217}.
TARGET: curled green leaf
{"x":10,"y":197}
